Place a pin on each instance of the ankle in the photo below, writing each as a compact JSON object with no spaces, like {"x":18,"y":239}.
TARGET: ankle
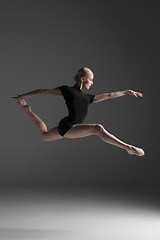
{"x":27,"y":108}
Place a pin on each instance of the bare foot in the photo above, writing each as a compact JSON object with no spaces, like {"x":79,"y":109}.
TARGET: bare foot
{"x":135,"y":151}
{"x":23,"y":103}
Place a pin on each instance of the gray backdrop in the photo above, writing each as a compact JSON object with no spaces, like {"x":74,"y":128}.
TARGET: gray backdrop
{"x":43,"y":44}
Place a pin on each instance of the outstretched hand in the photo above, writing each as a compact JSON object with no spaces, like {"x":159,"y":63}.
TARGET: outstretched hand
{"x":17,"y":98}
{"x":136,"y":94}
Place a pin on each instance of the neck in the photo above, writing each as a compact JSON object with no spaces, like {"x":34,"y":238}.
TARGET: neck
{"x":78,"y":85}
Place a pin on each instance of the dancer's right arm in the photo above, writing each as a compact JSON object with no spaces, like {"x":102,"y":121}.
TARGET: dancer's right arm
{"x":54,"y":91}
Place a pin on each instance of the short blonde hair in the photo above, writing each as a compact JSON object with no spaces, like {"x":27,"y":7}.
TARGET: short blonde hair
{"x":82,"y":72}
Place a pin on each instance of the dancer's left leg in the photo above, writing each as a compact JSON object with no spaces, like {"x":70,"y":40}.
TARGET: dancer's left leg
{"x":46,"y":135}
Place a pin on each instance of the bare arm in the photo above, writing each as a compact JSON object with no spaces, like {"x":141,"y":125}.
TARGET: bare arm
{"x":38,"y":92}
{"x":105,"y":96}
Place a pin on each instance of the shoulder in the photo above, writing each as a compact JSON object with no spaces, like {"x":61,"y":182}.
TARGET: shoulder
{"x":63,"y":88}
{"x":91,"y":98}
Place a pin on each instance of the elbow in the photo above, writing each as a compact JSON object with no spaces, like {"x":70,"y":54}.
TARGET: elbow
{"x":42,"y":91}
{"x":39,"y":90}
{"x":110,"y":95}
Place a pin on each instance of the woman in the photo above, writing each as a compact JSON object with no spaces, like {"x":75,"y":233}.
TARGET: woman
{"x":77,"y":103}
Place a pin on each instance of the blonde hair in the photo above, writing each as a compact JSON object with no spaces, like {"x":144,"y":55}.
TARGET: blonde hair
{"x":82,"y":72}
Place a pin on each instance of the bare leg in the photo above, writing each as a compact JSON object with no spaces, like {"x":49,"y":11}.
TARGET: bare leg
{"x":83,"y":130}
{"x":51,"y":135}
{"x":78,"y":131}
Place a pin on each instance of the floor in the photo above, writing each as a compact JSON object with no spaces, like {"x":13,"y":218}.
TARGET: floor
{"x":66,"y":215}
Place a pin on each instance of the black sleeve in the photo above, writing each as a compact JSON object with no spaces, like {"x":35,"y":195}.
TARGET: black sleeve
{"x":91,"y":97}
{"x":62,"y":88}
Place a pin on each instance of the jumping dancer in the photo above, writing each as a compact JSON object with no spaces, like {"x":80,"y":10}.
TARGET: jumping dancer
{"x":77,"y":103}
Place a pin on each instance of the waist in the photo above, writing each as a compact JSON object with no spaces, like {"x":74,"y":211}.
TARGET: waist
{"x":75,"y":119}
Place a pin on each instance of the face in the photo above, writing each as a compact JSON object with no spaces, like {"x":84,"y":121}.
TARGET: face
{"x":88,"y":81}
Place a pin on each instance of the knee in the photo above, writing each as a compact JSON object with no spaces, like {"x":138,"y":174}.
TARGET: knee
{"x":98,"y":128}
{"x":44,"y":137}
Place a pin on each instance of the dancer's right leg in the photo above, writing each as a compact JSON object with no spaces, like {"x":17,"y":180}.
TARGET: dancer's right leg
{"x":46,"y":135}
{"x":84,"y":130}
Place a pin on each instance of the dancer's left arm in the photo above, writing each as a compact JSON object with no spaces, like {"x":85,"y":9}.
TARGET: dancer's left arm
{"x":105,"y":96}
{"x":54,"y":91}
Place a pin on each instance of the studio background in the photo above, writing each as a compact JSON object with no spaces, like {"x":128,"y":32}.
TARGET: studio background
{"x":43,"y":44}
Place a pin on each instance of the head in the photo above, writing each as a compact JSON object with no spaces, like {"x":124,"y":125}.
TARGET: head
{"x":84,"y":77}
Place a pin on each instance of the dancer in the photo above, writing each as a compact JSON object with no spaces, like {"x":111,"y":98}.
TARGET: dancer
{"x":77,"y":103}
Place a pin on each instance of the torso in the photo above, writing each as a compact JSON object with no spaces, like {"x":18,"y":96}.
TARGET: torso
{"x":77,"y":103}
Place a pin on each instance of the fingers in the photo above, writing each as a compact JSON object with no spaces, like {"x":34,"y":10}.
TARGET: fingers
{"x":136,"y":94}
{"x":17,"y":97}
{"x":14,"y":98}
{"x":139,"y":94}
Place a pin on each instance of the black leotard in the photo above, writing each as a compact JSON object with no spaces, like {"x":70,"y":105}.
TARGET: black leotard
{"x":77,"y":103}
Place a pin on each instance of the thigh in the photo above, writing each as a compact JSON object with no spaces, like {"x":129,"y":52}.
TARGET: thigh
{"x":81,"y":130}
{"x":52,"y":135}
{"x":64,"y":125}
